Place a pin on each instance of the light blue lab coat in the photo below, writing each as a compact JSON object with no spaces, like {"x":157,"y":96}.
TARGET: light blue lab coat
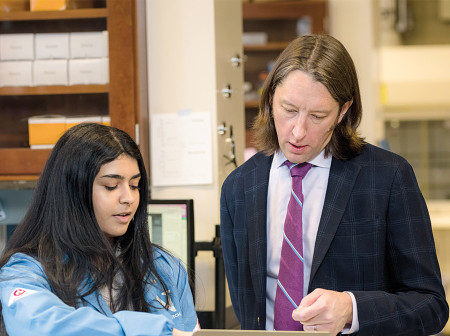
{"x":30,"y":307}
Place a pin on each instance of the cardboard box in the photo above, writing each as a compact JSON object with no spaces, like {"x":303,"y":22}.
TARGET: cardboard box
{"x":44,"y":131}
{"x":16,"y":73}
{"x":16,"y":47}
{"x":89,"y":45}
{"x":47,"y":5}
{"x":51,"y":45}
{"x":88,"y":71}
{"x":50,"y":72}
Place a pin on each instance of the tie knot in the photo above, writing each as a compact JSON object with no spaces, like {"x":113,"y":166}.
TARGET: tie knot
{"x":298,"y":169}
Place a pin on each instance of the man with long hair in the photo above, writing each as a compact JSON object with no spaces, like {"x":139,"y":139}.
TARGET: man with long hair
{"x":345,"y":244}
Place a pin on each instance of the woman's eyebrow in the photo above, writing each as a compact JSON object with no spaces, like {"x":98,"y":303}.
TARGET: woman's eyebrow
{"x":120,"y":177}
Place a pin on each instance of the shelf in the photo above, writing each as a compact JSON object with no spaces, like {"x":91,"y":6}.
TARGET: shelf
{"x":287,"y":10}
{"x":22,"y":161}
{"x":278,"y":20}
{"x":252,"y":104}
{"x":53,"y":90}
{"x":54,"y":15}
{"x":118,"y":99}
{"x":271,"y":46}
{"x":18,"y":182}
{"x":417,"y":113}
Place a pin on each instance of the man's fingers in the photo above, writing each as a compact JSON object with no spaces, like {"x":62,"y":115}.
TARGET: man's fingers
{"x":312,"y":297}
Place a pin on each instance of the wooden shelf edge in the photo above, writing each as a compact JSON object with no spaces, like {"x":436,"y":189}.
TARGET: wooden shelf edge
{"x":53,"y":90}
{"x":271,"y":46}
{"x":18,"y":182}
{"x":85,"y":13}
{"x":252,"y":104}
{"x":20,"y":162}
{"x":15,"y":178}
{"x":281,"y":9}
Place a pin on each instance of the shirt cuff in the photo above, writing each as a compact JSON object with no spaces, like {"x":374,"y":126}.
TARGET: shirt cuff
{"x":354,"y":327}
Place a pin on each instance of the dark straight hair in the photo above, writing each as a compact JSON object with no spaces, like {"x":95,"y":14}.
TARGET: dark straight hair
{"x":60,"y":229}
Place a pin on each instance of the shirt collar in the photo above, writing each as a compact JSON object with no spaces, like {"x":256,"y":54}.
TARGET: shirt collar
{"x":319,"y":161}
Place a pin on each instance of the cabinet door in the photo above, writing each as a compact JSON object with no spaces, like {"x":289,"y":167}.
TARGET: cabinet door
{"x":116,"y":99}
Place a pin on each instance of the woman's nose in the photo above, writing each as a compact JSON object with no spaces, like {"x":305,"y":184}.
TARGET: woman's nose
{"x":127,"y":196}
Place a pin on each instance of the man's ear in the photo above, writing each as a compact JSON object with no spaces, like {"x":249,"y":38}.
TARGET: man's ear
{"x":344,"y":109}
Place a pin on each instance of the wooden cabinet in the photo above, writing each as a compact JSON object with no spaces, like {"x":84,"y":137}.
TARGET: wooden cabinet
{"x":118,"y":99}
{"x":279,"y":21}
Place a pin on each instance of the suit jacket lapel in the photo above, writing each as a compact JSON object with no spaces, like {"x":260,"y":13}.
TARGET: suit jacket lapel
{"x":340,"y":184}
{"x":256,"y":182}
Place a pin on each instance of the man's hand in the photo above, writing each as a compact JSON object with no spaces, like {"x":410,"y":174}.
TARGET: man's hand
{"x":324,"y":310}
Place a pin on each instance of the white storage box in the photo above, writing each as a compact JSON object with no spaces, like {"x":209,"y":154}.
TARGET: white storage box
{"x":50,"y":72}
{"x":16,"y":73}
{"x":89,"y":45}
{"x":52,"y":45}
{"x":254,"y":38}
{"x":14,"y":47}
{"x":106,"y":120}
{"x":89,"y":71}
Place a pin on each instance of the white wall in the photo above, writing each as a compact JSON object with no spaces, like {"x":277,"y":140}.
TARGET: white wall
{"x":353,"y":22}
{"x":188,"y":64}
{"x":180,"y":54}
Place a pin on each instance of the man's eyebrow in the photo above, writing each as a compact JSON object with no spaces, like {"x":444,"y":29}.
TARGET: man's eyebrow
{"x":287,"y":102}
{"x":120,"y":177}
{"x":321,"y":111}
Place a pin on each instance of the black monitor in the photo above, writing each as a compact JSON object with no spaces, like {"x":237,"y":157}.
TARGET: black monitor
{"x":171,"y":225}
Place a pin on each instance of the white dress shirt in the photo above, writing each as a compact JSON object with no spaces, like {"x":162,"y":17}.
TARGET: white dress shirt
{"x":314,"y":187}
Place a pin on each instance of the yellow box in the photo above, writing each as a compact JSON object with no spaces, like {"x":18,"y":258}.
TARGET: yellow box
{"x":75,"y":120}
{"x":106,"y":120}
{"x":47,"y":5}
{"x":44,"y":131}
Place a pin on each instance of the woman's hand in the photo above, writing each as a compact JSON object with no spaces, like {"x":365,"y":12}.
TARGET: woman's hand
{"x":177,"y":332}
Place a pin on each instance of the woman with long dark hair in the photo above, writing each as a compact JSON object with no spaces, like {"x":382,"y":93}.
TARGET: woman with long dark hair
{"x":81,"y":261}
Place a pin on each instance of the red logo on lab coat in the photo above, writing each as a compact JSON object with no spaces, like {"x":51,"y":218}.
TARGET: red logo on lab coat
{"x":19,"y":292}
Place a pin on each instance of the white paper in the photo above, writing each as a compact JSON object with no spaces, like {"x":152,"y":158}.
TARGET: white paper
{"x":181,"y":148}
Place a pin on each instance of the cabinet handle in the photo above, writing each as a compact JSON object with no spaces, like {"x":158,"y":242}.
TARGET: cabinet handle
{"x":236,"y":61}
{"x":222,"y":128}
{"x":227,"y":91}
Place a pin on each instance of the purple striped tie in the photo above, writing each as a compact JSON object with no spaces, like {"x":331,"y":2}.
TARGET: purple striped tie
{"x":290,"y":276}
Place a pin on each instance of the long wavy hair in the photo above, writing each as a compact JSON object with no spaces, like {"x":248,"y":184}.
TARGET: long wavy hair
{"x":328,"y":62}
{"x":60,"y":229}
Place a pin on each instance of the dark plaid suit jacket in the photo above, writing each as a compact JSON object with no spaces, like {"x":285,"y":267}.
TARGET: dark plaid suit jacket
{"x":374,"y":239}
